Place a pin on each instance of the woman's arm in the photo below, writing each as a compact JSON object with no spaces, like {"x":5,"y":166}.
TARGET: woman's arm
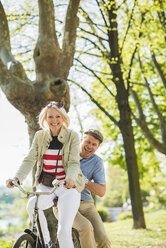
{"x":74,"y":158}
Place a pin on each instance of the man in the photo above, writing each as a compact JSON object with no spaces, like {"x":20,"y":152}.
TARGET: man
{"x":87,"y":221}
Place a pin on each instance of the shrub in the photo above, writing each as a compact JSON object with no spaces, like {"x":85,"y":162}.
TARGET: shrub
{"x":104,"y":214}
{"x":124,"y":216}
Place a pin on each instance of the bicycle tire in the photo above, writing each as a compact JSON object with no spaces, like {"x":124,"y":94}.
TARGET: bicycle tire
{"x":24,"y":241}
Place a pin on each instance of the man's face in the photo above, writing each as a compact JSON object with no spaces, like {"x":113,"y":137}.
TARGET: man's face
{"x":89,"y":146}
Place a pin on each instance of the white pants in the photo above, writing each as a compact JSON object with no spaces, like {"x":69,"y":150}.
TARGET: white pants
{"x":68,"y":204}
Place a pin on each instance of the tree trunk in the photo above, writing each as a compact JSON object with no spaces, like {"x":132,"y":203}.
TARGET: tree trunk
{"x":125,"y":124}
{"x":131,"y":159}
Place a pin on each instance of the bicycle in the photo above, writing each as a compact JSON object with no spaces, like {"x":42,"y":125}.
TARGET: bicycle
{"x":33,"y":237}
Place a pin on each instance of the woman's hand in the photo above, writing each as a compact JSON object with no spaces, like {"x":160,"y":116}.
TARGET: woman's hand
{"x":69,"y":183}
{"x":8,"y":182}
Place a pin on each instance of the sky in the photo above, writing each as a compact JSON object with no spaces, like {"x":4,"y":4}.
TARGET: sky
{"x":14,"y":141}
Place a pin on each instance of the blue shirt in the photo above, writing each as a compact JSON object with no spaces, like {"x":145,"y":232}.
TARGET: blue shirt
{"x":93,"y":169}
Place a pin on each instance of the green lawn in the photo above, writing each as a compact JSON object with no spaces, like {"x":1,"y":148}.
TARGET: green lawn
{"x":122,"y":235}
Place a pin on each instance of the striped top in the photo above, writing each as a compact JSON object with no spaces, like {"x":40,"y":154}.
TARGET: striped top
{"x":50,"y":159}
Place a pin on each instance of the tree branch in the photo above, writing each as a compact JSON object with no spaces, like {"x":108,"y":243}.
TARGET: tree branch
{"x":95,"y":45}
{"x":91,"y":54}
{"x":96,"y":35}
{"x":14,"y":87}
{"x":97,"y":103}
{"x":141,"y":122}
{"x":134,"y":52}
{"x":47,"y":22}
{"x":158,"y":68}
{"x":138,"y":105}
{"x":98,"y":26}
{"x":118,"y":7}
{"x":161,"y":147}
{"x":69,"y":37}
{"x":92,"y":26}
{"x":5,"y":49}
{"x":156,"y":109}
{"x":47,"y":52}
{"x":162,"y":16}
{"x":96,"y":76}
{"x":103,"y":16}
{"x":4,"y":30}
{"x":130,"y":67}
{"x":129,"y":23}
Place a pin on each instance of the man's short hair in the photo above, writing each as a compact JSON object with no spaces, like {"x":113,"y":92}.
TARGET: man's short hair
{"x":96,"y":134}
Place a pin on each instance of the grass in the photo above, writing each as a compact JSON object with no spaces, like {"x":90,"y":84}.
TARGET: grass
{"x":122,"y":235}
{"x":5,"y":243}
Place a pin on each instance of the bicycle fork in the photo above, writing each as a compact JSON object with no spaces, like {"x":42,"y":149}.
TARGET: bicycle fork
{"x":36,"y":225}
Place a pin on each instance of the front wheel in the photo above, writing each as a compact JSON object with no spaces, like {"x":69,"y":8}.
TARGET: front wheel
{"x":24,"y":241}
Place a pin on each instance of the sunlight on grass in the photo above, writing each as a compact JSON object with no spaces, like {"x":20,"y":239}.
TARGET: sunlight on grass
{"x":6,"y":244}
{"x":121,"y":233}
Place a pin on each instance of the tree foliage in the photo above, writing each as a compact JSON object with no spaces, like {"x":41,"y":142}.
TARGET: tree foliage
{"x":141,"y":31}
{"x":141,"y":37}
{"x":100,"y":38}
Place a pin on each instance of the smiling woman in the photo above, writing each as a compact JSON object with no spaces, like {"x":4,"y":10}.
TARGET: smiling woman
{"x":54,"y":116}
{"x":54,"y":120}
{"x":55,"y":152}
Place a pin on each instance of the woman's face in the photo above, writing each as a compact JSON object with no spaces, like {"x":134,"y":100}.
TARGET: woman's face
{"x":54,"y":120}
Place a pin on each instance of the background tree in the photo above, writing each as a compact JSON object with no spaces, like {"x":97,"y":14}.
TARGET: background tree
{"x":141,"y":33}
{"x":101,"y":37}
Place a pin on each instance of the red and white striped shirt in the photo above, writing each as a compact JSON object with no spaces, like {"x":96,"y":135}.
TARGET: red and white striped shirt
{"x":50,"y":160}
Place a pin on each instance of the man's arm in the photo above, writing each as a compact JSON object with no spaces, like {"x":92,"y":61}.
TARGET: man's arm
{"x":96,"y":188}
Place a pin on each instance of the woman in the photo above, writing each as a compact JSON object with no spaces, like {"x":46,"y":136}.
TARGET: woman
{"x":55,"y":152}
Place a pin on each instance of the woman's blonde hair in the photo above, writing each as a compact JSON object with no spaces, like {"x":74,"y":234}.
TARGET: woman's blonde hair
{"x":59,"y":107}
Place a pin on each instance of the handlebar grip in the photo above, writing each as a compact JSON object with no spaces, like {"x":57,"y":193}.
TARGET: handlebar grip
{"x":11,"y":183}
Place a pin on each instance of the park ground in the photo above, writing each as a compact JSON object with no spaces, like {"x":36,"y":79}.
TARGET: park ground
{"x":122,"y":235}
{"x":154,"y":236}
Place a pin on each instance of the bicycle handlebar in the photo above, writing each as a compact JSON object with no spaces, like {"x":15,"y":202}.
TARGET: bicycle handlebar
{"x":56,"y":184}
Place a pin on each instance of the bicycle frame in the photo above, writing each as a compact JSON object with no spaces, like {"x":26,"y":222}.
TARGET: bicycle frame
{"x":36,"y":232}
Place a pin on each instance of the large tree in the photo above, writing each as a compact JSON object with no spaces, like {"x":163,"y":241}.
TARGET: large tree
{"x":127,"y":57}
{"x":101,"y":35}
{"x":52,"y":65}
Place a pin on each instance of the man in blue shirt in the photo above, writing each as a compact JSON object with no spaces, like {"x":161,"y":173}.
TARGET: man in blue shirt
{"x":88,"y":221}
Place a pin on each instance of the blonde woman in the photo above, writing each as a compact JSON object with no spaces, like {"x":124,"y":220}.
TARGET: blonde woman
{"x":55,"y":152}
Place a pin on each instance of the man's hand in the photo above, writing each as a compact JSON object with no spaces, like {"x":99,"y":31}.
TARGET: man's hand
{"x":69,"y":183}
